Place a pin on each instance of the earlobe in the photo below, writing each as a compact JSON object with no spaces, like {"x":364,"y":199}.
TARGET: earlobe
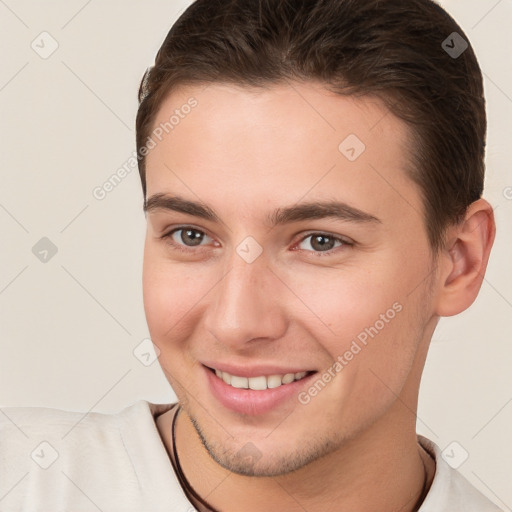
{"x":465,"y":259}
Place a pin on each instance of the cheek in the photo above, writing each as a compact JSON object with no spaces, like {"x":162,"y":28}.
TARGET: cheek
{"x":169,"y":298}
{"x":365,"y":321}
{"x":172,"y":294}
{"x":338,"y":305}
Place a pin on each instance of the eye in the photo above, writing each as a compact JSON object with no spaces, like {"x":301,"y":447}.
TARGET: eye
{"x":186,"y":237}
{"x":323,"y":243}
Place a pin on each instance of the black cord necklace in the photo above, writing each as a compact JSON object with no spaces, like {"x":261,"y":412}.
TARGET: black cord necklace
{"x":192,"y":494}
{"x":424,"y":490}
{"x":187,"y":488}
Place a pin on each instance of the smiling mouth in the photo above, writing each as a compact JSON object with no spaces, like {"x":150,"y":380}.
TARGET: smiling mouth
{"x":259,"y":383}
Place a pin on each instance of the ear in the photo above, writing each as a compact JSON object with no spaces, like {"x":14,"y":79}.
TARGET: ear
{"x":463,"y":261}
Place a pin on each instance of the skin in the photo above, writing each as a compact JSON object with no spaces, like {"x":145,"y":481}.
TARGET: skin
{"x":245,"y":152}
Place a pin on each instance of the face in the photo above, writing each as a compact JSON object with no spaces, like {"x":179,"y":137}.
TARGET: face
{"x":287,"y":269}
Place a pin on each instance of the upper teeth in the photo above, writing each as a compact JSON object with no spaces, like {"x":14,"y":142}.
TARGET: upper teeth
{"x":259,"y":383}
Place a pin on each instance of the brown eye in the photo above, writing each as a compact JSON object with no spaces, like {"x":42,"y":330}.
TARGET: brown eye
{"x":186,"y":237}
{"x":322,"y":243}
{"x":190,"y":237}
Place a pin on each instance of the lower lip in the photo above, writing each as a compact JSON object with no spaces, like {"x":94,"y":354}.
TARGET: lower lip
{"x":252,"y":402}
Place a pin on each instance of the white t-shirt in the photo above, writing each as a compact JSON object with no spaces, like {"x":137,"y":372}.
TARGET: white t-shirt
{"x":56,"y":460}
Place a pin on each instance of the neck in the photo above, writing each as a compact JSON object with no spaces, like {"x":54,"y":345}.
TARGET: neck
{"x":381,"y":468}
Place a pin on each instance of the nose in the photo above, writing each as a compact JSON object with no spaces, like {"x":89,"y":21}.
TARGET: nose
{"x":245,"y":305}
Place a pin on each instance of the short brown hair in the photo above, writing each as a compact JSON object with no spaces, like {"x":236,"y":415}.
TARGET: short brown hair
{"x":395,"y":50}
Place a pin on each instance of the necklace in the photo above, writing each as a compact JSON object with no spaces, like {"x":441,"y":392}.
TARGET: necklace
{"x":424,"y":490}
{"x":187,"y":488}
{"x":193,"y":496}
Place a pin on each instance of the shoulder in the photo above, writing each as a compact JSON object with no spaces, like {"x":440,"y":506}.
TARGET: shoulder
{"x":25,"y":422}
{"x":27,"y":426}
{"x":54,"y":456}
{"x":450,"y":490}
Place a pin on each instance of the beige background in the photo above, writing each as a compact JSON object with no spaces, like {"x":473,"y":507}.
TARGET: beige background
{"x":69,"y":327}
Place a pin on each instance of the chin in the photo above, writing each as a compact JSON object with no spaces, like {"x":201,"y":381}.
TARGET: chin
{"x":265,"y":461}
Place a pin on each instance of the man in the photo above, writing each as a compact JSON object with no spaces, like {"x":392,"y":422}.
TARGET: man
{"x":312,"y":175}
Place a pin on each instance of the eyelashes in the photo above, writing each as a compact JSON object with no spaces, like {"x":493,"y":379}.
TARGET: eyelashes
{"x":182,"y":247}
{"x":198,"y":235}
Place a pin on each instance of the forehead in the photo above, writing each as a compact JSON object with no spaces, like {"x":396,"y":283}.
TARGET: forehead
{"x":278,"y":144}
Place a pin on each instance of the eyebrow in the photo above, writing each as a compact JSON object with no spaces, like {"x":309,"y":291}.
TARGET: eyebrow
{"x":295,"y":213}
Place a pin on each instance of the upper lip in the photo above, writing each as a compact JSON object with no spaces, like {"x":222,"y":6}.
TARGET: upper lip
{"x":255,"y":370}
